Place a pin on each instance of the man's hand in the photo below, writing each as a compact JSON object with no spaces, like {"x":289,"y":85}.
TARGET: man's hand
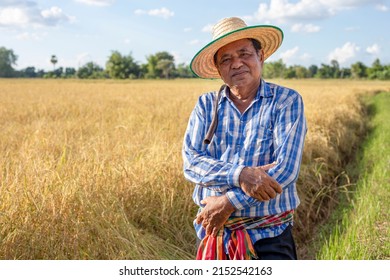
{"x":215,"y":213}
{"x":255,"y":182}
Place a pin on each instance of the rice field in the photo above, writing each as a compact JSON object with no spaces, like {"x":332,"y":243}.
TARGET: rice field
{"x":93,"y":169}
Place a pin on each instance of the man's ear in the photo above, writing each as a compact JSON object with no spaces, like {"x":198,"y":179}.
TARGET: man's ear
{"x":261,"y":56}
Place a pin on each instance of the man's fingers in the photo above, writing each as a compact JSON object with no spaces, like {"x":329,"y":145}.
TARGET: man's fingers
{"x":268,"y":166}
{"x":270,"y":192}
{"x":209,"y":229}
{"x":215,"y":231}
{"x":275,"y":185}
{"x":199,"y":218}
{"x":264,"y":195}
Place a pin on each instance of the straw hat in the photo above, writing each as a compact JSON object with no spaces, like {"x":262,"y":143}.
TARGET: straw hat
{"x":229,"y":30}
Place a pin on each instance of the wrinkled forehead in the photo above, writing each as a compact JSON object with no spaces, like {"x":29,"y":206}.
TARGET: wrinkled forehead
{"x":235,"y":47}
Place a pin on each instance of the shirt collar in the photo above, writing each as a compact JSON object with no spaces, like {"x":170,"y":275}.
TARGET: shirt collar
{"x":263,"y":91}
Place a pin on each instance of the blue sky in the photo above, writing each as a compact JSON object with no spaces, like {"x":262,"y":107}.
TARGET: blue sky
{"x":79,"y":31}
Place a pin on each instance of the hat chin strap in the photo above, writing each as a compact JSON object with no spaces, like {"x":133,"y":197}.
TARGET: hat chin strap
{"x":214,"y":121}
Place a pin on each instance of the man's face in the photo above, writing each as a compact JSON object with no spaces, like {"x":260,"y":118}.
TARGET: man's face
{"x":239,"y":64}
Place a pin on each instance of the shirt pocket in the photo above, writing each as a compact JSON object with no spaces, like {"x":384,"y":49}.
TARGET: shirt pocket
{"x":265,"y":131}
{"x":264,"y":140}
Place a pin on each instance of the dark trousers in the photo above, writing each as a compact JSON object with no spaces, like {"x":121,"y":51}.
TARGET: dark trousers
{"x":281,"y":247}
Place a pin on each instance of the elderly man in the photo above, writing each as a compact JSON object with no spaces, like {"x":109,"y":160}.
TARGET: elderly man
{"x":243,"y":148}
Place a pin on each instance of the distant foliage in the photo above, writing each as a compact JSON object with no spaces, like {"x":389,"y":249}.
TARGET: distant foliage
{"x":91,"y":71}
{"x":121,"y":66}
{"x":161,"y":65}
{"x":7,"y":60}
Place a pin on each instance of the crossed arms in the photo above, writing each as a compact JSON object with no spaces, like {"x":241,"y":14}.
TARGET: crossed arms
{"x":243,"y":186}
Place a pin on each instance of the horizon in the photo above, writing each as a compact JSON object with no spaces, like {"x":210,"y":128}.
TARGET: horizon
{"x":81,"y":31}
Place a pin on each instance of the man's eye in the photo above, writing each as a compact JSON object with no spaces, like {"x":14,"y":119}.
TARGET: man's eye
{"x":225,"y":61}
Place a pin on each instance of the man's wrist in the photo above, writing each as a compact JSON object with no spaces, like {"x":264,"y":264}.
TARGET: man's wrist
{"x":234,"y":176}
{"x":242,"y":175}
{"x":236,"y":200}
{"x":229,"y":205}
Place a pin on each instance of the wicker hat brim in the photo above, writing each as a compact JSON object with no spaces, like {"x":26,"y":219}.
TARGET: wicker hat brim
{"x":269,"y":36}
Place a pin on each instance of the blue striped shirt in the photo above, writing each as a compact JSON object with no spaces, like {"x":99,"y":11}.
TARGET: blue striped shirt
{"x":272,"y":129}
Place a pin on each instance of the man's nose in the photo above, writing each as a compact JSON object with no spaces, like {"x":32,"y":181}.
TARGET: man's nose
{"x":236,"y":62}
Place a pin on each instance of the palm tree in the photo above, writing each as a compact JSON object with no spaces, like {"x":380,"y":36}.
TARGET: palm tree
{"x":54,"y":60}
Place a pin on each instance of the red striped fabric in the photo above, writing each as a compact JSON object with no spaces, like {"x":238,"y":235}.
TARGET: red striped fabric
{"x":239,"y":246}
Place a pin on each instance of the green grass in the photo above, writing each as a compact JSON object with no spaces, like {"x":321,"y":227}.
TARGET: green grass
{"x":363,"y":231}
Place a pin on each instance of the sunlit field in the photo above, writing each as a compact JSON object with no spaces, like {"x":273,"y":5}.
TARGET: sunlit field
{"x":93,"y":169}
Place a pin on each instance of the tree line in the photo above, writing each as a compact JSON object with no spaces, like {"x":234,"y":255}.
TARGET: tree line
{"x":161,"y":65}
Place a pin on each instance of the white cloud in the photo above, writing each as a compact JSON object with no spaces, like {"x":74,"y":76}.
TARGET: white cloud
{"x":307,"y":28}
{"x":23,"y":14}
{"x":140,"y":12}
{"x":194,"y":42}
{"x":13,"y":16}
{"x":382,"y":8}
{"x":287,"y":55}
{"x":305,"y":57}
{"x":208,"y":28}
{"x":343,"y":54}
{"x":26,"y":36}
{"x":351,"y":28}
{"x":100,"y":3}
{"x":281,"y":11}
{"x":163,"y":12}
{"x":55,"y":15}
{"x":187,"y":29}
{"x":374,"y":49}
{"x":343,"y":4}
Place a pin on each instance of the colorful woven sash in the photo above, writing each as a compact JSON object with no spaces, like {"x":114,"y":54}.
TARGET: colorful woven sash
{"x":240,"y":246}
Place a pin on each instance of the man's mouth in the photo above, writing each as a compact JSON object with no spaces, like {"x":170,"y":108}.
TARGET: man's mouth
{"x":239,"y":73}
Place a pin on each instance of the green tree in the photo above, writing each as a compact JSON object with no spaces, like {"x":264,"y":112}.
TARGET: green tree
{"x":301,"y":72}
{"x":28,"y":72}
{"x":160,"y":64}
{"x":358,"y":70}
{"x":385,"y":74}
{"x":54,"y":61}
{"x":335,"y":69}
{"x":374,"y":72}
{"x":7,"y":60}
{"x":57,"y":73}
{"x":345,"y":73}
{"x":151,"y":72}
{"x":121,"y":66}
{"x":90,"y":71}
{"x":289,"y":73}
{"x":313,"y":70}
{"x":325,"y":72}
{"x":184,"y":71}
{"x":166,"y":66}
{"x":70,"y":72}
{"x":274,"y":69}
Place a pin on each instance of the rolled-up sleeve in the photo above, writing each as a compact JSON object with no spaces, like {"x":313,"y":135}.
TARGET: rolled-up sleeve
{"x":289,"y":134}
{"x":200,"y":167}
